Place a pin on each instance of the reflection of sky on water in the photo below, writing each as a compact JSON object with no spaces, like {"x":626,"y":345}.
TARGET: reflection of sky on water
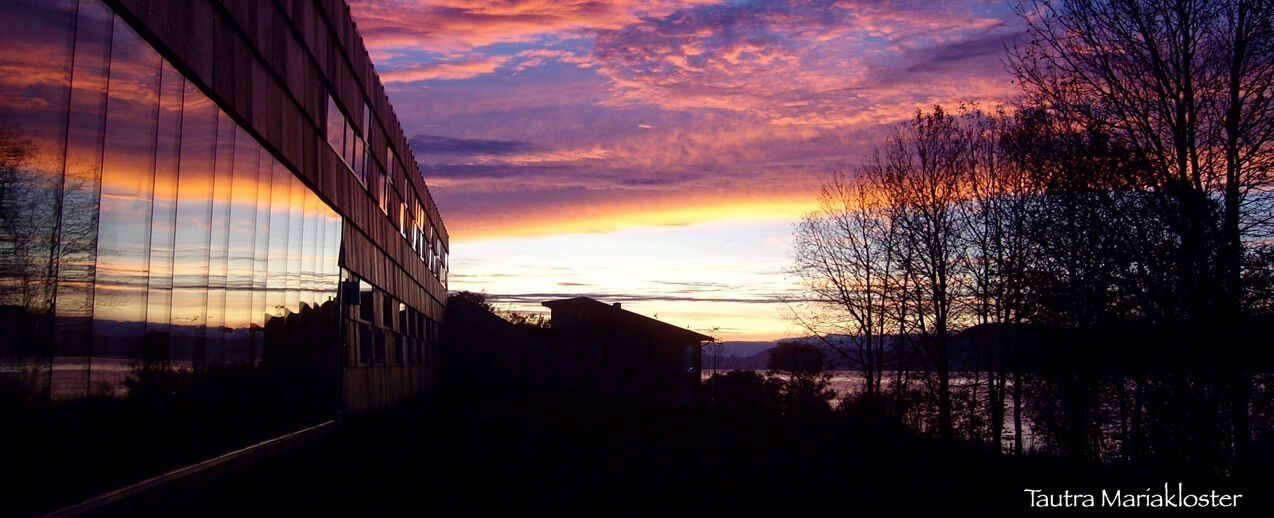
{"x":849,"y":383}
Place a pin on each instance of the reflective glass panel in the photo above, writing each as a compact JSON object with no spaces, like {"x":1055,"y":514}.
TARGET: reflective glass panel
{"x":219,"y":237}
{"x":144,"y":238}
{"x":261,"y":252}
{"x":36,"y":42}
{"x":296,"y":241}
{"x":163,"y":216}
{"x":241,"y":247}
{"x":193,"y":226}
{"x":128,"y":169}
{"x":313,"y":246}
{"x":280,"y":225}
{"x":335,"y":126}
{"x":80,"y":186}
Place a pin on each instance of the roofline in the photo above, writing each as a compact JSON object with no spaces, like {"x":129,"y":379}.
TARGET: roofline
{"x":550,"y":303}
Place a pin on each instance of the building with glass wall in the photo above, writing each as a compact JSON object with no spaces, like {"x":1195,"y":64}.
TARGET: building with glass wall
{"x":207,"y":209}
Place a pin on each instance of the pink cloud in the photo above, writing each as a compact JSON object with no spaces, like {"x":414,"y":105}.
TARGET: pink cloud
{"x":450,"y":70}
{"x":806,"y":63}
{"x":459,"y":25}
{"x":665,"y":103}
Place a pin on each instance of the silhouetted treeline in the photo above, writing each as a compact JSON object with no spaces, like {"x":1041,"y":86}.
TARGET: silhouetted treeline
{"x":1125,"y":203}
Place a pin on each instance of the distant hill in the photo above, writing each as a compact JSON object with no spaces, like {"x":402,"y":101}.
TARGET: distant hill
{"x":1117,"y":347}
{"x":758,"y":361}
{"x":744,"y":348}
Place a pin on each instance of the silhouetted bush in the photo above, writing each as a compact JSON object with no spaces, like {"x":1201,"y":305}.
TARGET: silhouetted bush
{"x":743,"y":394}
{"x":806,"y":390}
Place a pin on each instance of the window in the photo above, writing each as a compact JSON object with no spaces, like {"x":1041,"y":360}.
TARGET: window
{"x":438,"y":254}
{"x":366,"y":308}
{"x":367,"y":119}
{"x":399,"y":349}
{"x":335,"y":127}
{"x":358,"y":159}
{"x":364,"y":344}
{"x":346,"y":140}
{"x":429,"y":262}
{"x":402,"y":219}
{"x":413,"y":351}
{"x":382,"y":189}
{"x":380,"y":346}
{"x":387,"y":310}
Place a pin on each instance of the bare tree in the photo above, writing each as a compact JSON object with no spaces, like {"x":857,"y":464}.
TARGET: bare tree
{"x":1186,"y":84}
{"x":846,"y":258}
{"x":925,"y":176}
{"x":997,"y":214}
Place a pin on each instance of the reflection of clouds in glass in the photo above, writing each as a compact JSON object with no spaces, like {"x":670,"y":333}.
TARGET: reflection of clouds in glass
{"x":134,"y":212}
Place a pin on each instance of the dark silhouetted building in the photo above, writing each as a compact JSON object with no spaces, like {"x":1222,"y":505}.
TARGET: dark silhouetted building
{"x":661,"y":360}
{"x":482,"y":351}
{"x":212,"y":195}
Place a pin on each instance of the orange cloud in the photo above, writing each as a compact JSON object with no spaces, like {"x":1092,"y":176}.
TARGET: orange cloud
{"x":611,"y":217}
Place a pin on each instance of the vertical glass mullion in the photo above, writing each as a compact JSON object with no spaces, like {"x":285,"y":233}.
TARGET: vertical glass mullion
{"x":296,"y":237}
{"x":261,"y":253}
{"x":280,"y":216}
{"x":76,"y":224}
{"x":309,"y":247}
{"x":38,"y":38}
{"x":156,"y":345}
{"x":329,"y":277}
{"x":219,"y":237}
{"x":241,"y":245}
{"x":194,"y":212}
{"x":128,"y":170}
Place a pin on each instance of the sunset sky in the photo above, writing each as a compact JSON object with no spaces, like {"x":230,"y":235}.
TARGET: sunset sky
{"x":657,"y":153}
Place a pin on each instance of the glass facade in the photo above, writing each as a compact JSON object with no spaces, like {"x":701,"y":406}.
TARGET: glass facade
{"x":139,"y":224}
{"x":170,"y":289}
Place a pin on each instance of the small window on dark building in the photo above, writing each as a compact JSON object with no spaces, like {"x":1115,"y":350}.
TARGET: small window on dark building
{"x":366,"y":308}
{"x":380,"y":346}
{"x":364,"y":344}
{"x":335,"y":126}
{"x":399,"y":349}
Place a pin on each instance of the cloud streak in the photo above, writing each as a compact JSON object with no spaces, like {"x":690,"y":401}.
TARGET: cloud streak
{"x":440,"y":145}
{"x":536,"y":298}
{"x":536,"y":116}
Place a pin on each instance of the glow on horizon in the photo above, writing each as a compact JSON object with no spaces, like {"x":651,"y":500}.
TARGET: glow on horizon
{"x":729,"y":275}
{"x":600,"y":219}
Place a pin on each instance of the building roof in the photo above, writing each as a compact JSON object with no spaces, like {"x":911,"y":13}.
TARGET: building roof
{"x":585,"y":303}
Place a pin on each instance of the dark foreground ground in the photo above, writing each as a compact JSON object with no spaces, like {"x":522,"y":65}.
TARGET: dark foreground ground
{"x":449,"y":453}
